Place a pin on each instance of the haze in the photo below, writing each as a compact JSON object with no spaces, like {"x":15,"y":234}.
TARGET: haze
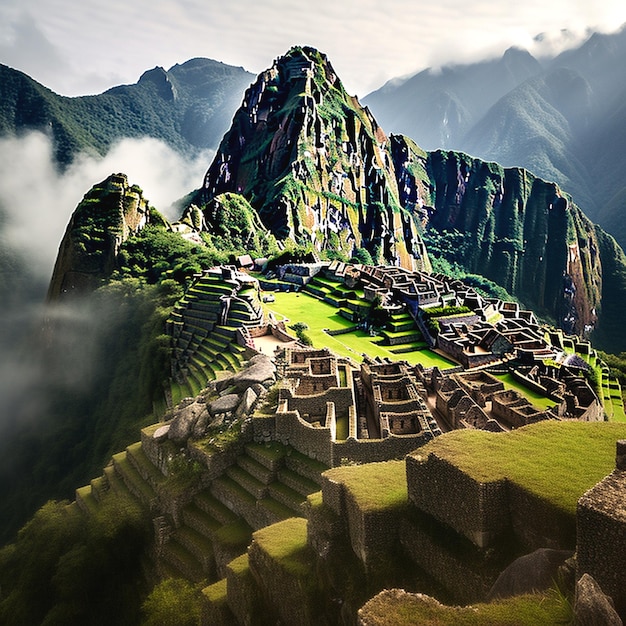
{"x":79,"y":48}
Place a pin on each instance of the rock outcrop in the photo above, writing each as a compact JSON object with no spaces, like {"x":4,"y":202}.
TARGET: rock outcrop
{"x":318,"y":169}
{"x":315,"y":165}
{"x":108,"y":215}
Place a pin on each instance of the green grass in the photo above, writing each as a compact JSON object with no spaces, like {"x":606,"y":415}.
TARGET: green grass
{"x":374,"y":486}
{"x":286,"y":543}
{"x":536,"y":399}
{"x":399,"y":609}
{"x":556,"y":461}
{"x":300,"y":307}
{"x":217,"y":592}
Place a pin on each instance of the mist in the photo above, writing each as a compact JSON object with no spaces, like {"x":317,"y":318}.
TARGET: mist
{"x":51,"y":355}
{"x":37,"y":199}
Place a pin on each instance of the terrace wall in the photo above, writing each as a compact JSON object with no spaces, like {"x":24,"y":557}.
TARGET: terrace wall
{"x":477,"y":510}
{"x":601,"y":537}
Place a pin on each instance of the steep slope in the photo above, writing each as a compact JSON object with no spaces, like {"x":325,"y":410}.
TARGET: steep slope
{"x":518,"y":230}
{"x":111,"y":212}
{"x":537,"y":126}
{"x":563,"y":120}
{"x":188,"y":106}
{"x":438,"y":108}
{"x":315,"y":165}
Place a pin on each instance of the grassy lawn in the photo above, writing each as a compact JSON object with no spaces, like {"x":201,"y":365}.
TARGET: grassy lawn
{"x":374,"y":486}
{"x":557,"y":461}
{"x":286,"y":543}
{"x":393,"y":608}
{"x":537,"y":400}
{"x":300,"y":307}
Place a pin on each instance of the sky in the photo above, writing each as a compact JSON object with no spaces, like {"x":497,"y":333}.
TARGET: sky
{"x":77,"y":48}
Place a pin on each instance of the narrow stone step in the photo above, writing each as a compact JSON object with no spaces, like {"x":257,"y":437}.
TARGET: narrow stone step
{"x":147,"y":470}
{"x":200,"y":520}
{"x":214,"y":508}
{"x":253,"y":486}
{"x":116,"y":484}
{"x":176,"y":555}
{"x":133,"y":480}
{"x":270,"y":455}
{"x":303,"y":485}
{"x":305,"y":466}
{"x":99,"y":487}
{"x":275,"y":511}
{"x":288,"y":497}
{"x":198,"y":545}
{"x":254,"y":468}
{"x":85,"y":500}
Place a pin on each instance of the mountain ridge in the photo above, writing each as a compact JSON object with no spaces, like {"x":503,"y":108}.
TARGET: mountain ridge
{"x":576,"y":112}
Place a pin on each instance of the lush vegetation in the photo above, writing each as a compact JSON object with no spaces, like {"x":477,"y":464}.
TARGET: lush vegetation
{"x":319,"y":315}
{"x":65,"y":568}
{"x":101,"y":377}
{"x":374,"y":486}
{"x":188,"y":107}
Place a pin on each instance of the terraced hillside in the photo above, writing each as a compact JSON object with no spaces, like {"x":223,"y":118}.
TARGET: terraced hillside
{"x":203,"y":327}
{"x":202,"y":522}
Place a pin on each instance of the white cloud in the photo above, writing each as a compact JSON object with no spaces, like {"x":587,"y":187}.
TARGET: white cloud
{"x":38,"y":199}
{"x":367,"y":41}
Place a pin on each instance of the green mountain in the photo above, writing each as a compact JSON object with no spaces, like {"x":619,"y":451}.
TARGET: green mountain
{"x":188,"y":106}
{"x":304,"y":172}
{"x":561,"y":118}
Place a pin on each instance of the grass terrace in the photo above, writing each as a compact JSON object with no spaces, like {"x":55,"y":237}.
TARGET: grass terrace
{"x":556,"y":461}
{"x":318,"y":315}
{"x":396,"y":608}
{"x":374,"y":486}
{"x":536,"y":399}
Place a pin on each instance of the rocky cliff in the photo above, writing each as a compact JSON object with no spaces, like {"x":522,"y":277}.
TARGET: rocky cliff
{"x":109,"y":213}
{"x":518,"y":230}
{"x":315,"y":165}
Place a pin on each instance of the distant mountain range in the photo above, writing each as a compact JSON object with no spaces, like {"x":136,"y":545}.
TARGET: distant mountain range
{"x":563,"y":118}
{"x":188,"y":106}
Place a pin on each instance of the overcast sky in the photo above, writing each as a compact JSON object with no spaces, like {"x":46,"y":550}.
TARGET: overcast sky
{"x":77,"y":47}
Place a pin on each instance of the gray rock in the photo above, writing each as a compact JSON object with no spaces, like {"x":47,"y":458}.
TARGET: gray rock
{"x":184,"y":420}
{"x":260,"y":371}
{"x":591,"y":606}
{"x":160,"y":434}
{"x":248,"y":399}
{"x":536,"y":571}
{"x":201,"y":425}
{"x":224,"y":404}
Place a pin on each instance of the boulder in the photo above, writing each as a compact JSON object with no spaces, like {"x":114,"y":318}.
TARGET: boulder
{"x":248,"y":399}
{"x":224,"y":404}
{"x":200,"y":427}
{"x":184,"y":420}
{"x":536,"y":571}
{"x":260,"y":370}
{"x":160,"y":434}
{"x":591,"y":606}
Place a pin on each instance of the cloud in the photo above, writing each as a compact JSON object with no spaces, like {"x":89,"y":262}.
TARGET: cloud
{"x":37,"y":199}
{"x":36,"y":202}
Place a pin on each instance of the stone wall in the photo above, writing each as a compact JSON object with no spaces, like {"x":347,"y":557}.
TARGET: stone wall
{"x":477,"y":510}
{"x":461,"y":570}
{"x":601,"y":533}
{"x":315,"y":404}
{"x":539,"y":524}
{"x":292,"y":430}
{"x":375,"y":450}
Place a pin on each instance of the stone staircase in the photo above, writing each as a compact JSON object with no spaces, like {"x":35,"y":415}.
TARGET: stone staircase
{"x":267,"y":483}
{"x":203,"y":328}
